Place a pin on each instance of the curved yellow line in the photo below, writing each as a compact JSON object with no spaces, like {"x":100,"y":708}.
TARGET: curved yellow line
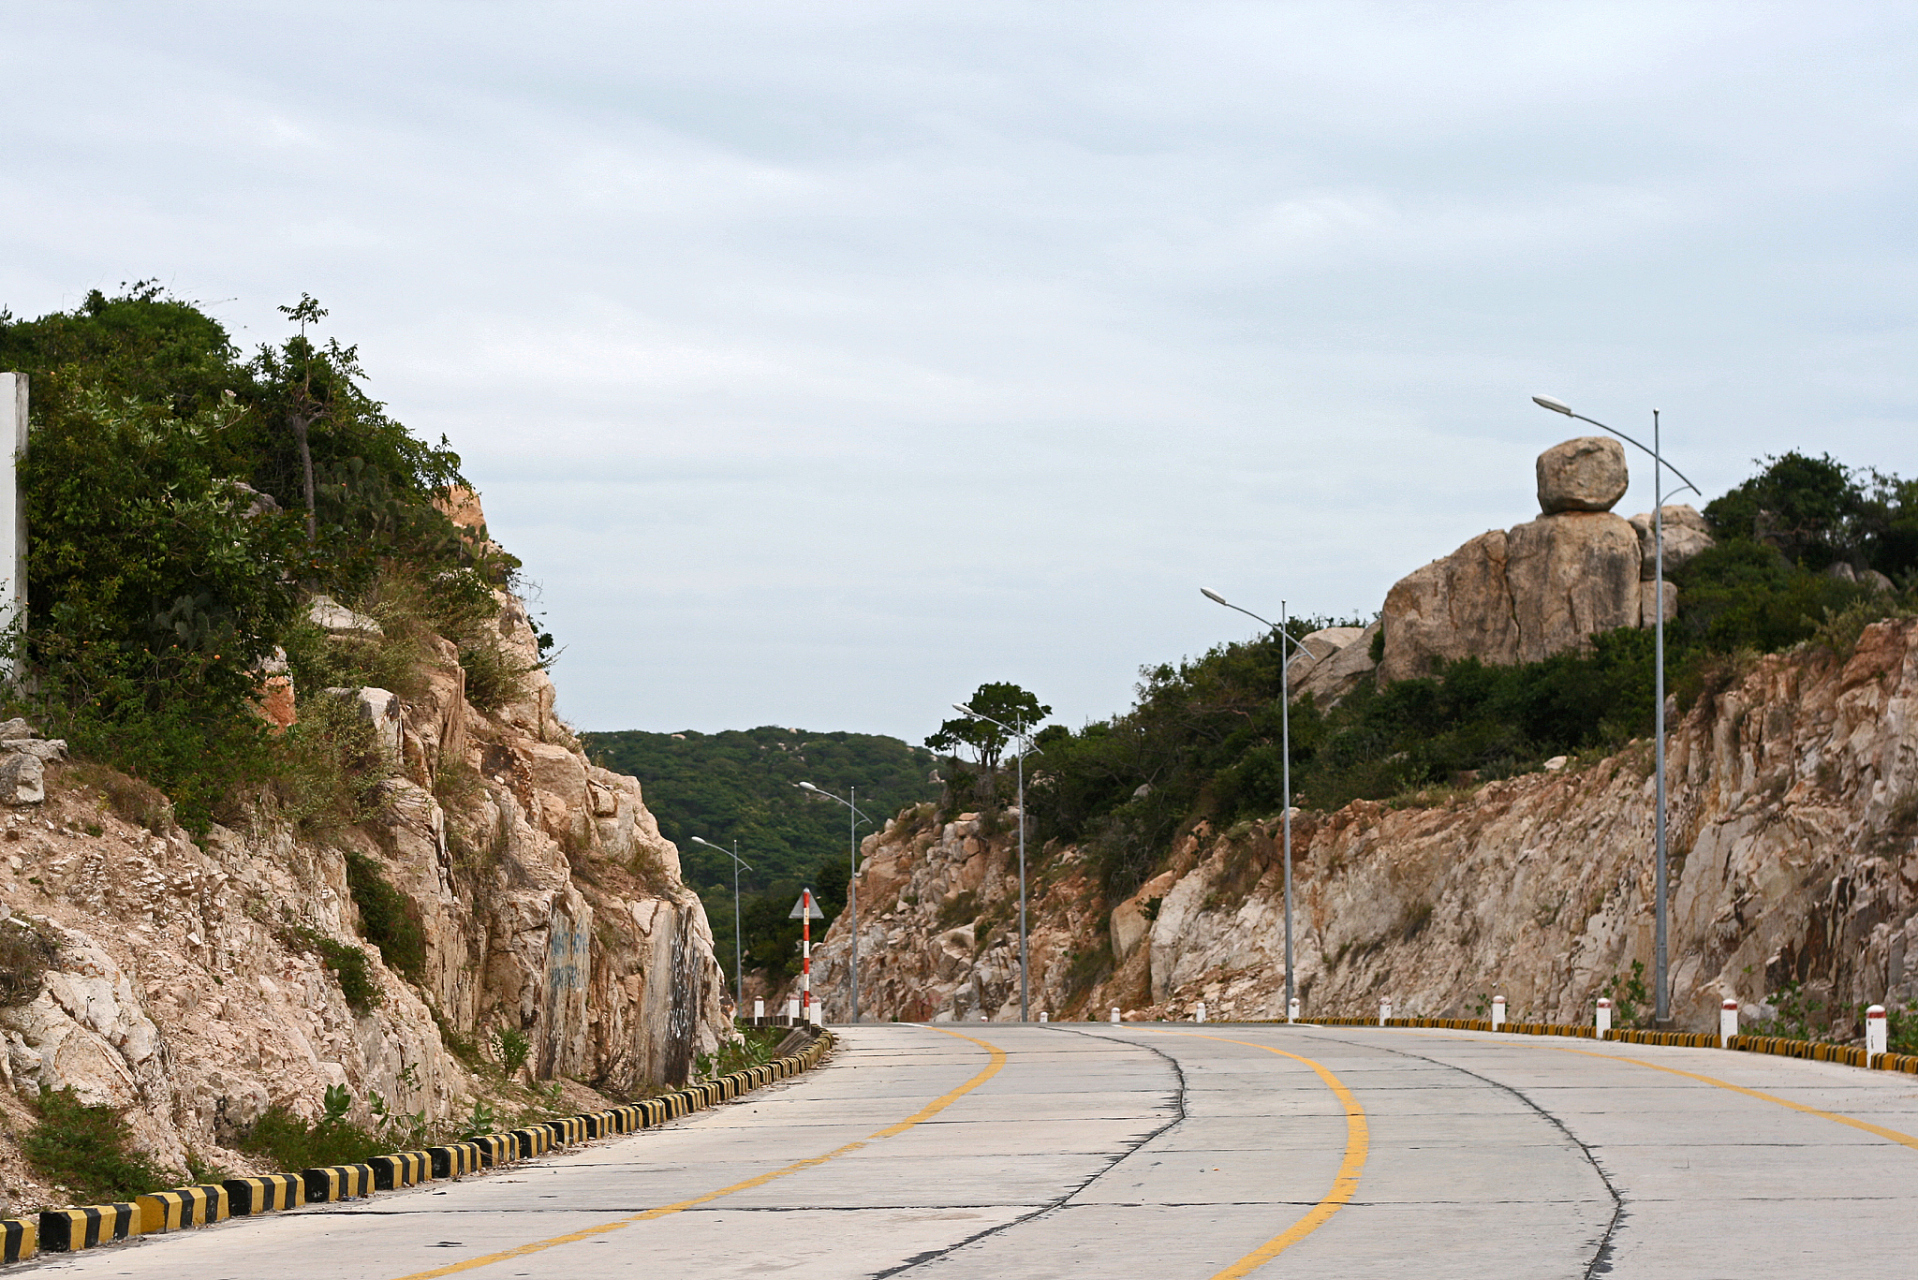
{"x":1345,"y":1184}
{"x":926,"y":1112}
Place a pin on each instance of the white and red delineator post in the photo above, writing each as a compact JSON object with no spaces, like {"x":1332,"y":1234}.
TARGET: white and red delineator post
{"x":1727,"y":1023}
{"x":1877,"y":1030}
{"x":1385,"y":1010}
{"x":805,"y":954}
{"x":1603,"y":1021}
{"x":1498,"y":1012}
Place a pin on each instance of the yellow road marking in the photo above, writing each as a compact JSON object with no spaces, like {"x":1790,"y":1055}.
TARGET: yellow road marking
{"x":1891,"y":1135}
{"x":926,"y":1112}
{"x":1344,"y":1186}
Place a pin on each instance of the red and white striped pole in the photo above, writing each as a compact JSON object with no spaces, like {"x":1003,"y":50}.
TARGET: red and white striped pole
{"x":805,"y":955}
{"x":1877,"y":1030}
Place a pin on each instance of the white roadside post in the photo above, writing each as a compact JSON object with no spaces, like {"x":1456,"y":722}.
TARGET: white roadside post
{"x":1292,"y":1009}
{"x":1042,"y":1015}
{"x":759,"y":1008}
{"x":1498,"y":1012}
{"x":1727,"y":1023}
{"x":1385,"y":1010}
{"x":13,"y":513}
{"x":1198,"y":1015}
{"x":1115,"y":1015}
{"x":792,"y":1011}
{"x":1877,"y":1032}
{"x":1602,"y":1021}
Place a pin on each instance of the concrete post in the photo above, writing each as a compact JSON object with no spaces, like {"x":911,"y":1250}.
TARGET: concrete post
{"x":792,"y":1011}
{"x":1198,"y":1015}
{"x":759,"y":1009}
{"x":13,"y":512}
{"x":1603,"y":1021}
{"x":1877,"y":1030}
{"x":1042,"y":1015}
{"x":1292,"y":1009}
{"x":1385,"y":1010}
{"x":1115,"y":1015}
{"x":1498,"y":1012}
{"x":1727,"y":1023}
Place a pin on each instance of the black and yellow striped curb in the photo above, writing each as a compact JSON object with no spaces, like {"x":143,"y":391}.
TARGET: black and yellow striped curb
{"x":182,"y":1207}
{"x":1810,"y":1050}
{"x":62,"y":1230}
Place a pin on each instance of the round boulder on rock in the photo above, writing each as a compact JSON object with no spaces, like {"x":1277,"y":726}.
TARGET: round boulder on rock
{"x":1586,"y":474}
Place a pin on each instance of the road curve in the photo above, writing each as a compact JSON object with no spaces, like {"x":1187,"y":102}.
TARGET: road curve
{"x":1170,"y":1151}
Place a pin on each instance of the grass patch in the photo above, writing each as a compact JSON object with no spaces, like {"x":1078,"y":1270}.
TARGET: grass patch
{"x":293,"y":1144}
{"x":347,"y":962}
{"x":85,"y":1151}
{"x":27,"y":950}
{"x":387,"y":917}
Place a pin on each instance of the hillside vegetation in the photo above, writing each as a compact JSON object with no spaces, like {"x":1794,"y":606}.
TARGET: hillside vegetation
{"x":1203,"y":738}
{"x":740,"y":785}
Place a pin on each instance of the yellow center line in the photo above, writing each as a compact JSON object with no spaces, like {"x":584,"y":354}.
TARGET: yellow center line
{"x":926,"y":1112}
{"x":1344,"y":1186}
{"x":1891,"y":1135}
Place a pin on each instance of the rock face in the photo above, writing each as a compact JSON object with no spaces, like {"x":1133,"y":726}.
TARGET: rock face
{"x":1586,"y":474}
{"x":190,"y":986}
{"x":1686,"y":534}
{"x":1794,"y":839}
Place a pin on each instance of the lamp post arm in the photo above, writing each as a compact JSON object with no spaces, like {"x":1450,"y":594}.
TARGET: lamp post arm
{"x":1651,"y":453}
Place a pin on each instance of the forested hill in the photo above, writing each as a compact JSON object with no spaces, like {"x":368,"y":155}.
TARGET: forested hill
{"x":740,"y":785}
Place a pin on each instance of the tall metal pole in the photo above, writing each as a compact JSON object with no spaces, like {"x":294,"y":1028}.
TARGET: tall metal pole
{"x":1285,"y":786}
{"x":1662,"y":1004}
{"x":1286,"y":646}
{"x":739,"y":954}
{"x":1023,"y":968}
{"x":852,"y":891}
{"x":1661,"y":972}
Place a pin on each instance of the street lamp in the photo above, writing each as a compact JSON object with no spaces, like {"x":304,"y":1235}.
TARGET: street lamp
{"x":739,"y":972}
{"x":853,"y":815}
{"x":1286,"y":645}
{"x":1662,"y":1003}
{"x":1024,"y":740}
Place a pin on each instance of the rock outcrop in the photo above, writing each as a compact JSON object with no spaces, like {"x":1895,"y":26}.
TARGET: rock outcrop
{"x":1794,"y":839}
{"x":190,"y":981}
{"x":1543,"y":587}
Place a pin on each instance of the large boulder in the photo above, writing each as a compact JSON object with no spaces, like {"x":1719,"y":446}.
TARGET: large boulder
{"x":1328,"y":677}
{"x":1686,"y":534}
{"x":1517,"y":595}
{"x":1586,"y":474}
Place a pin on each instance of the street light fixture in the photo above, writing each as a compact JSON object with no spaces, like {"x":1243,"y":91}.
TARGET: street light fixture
{"x":1024,"y":740}
{"x":739,"y":972}
{"x":1662,"y":1002}
{"x":853,"y":815}
{"x":1286,"y":645}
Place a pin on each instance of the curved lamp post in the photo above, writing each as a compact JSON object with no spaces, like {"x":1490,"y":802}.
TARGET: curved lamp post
{"x":739,"y":972}
{"x":1662,"y":1002}
{"x":853,"y":816}
{"x":1024,"y":740}
{"x":1286,"y":645}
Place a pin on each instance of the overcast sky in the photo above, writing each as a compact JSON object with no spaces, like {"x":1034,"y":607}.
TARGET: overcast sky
{"x":822,"y":361}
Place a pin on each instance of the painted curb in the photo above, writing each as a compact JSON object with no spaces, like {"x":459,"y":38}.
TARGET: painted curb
{"x":66,"y":1230}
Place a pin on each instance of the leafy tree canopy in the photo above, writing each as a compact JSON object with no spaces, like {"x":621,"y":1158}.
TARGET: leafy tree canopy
{"x":1001,"y":707}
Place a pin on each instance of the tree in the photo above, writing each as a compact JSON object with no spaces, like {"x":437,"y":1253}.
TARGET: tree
{"x":1004,"y":702}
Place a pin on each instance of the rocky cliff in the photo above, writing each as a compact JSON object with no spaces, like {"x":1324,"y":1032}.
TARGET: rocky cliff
{"x":188,"y":979}
{"x":1794,"y":835}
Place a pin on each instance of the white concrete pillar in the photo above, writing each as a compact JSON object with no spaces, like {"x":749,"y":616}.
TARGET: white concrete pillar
{"x":1198,"y":1014}
{"x":13,"y":512}
{"x":1727,"y":1023}
{"x":1042,"y":1015}
{"x":817,"y":1019}
{"x":1877,"y":1030}
{"x":1115,"y":1014}
{"x":759,"y":1008}
{"x":792,"y":1012}
{"x":1498,"y":1012}
{"x":1603,"y":1020}
{"x":1385,"y":1009}
{"x":1292,"y":1010}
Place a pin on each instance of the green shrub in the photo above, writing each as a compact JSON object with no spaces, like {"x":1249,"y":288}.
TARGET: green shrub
{"x":387,"y":918}
{"x":347,"y":962}
{"x":512,"y":1048}
{"x":293,"y":1144}
{"x":85,"y":1149}
{"x":27,"y":950}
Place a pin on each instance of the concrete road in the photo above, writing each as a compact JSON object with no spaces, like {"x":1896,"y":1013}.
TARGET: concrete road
{"x":1171,"y":1151}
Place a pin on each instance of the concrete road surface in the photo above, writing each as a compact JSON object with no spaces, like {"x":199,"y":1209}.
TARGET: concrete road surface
{"x":1171,"y":1151}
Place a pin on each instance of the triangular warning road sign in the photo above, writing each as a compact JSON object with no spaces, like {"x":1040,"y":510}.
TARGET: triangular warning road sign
{"x":807,"y":899}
